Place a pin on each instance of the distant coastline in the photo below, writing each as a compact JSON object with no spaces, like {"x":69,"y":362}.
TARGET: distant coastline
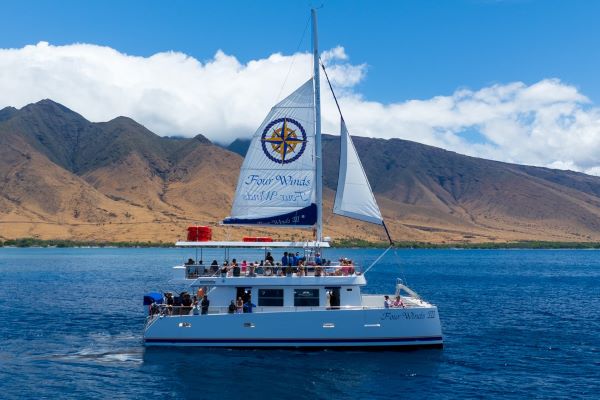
{"x":352,"y":243}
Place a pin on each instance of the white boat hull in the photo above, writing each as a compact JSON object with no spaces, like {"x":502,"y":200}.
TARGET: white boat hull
{"x":343,"y":328}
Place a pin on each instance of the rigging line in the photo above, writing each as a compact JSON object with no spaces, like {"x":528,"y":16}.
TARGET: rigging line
{"x":387,"y":232}
{"x":331,"y":88}
{"x":377,"y":260}
{"x":293,"y":61}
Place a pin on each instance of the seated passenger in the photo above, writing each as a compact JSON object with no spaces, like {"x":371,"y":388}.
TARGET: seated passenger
{"x":252,"y":270}
{"x":318,"y":271}
{"x":301,"y":271}
{"x":398,"y":303}
{"x":386,"y":301}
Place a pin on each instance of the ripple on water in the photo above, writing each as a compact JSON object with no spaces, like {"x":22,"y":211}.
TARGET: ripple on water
{"x":516,"y":324}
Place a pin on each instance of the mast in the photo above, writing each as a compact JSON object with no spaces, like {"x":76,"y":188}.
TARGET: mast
{"x":319,"y":170}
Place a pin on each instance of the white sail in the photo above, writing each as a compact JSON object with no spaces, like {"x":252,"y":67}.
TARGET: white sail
{"x":277,"y":179}
{"x":354,"y":197}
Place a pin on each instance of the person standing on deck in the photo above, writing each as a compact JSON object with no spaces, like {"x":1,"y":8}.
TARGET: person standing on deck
{"x":205,"y":303}
{"x":269,"y":258}
{"x":284,"y":259}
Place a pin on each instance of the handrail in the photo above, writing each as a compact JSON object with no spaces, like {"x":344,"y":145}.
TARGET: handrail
{"x":165,"y":310}
{"x":275,"y":271}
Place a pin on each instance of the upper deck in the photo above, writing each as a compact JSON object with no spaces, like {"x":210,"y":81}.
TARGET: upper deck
{"x":311,"y":275}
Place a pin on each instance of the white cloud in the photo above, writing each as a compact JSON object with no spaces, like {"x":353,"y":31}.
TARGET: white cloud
{"x":548,"y":123}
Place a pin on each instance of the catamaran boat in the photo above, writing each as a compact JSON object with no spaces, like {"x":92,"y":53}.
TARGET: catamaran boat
{"x":301,"y":300}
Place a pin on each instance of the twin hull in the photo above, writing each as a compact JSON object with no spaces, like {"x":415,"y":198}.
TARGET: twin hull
{"x":410,"y":327}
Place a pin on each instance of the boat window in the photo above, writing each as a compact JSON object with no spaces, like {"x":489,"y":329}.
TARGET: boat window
{"x":306,"y":297}
{"x":270,"y":297}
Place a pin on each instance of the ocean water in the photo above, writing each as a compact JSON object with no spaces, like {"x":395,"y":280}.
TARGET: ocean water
{"x":517,"y":324}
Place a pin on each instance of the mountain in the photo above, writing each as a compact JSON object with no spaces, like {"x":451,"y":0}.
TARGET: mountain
{"x":239,"y":146}
{"x":62,"y":176}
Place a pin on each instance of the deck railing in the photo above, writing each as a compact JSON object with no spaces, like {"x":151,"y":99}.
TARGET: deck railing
{"x":167,"y":311}
{"x":195,"y":271}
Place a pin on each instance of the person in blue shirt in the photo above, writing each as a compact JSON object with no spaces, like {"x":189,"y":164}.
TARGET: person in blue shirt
{"x":248,"y":306}
{"x":284,"y":259}
{"x":318,"y":259}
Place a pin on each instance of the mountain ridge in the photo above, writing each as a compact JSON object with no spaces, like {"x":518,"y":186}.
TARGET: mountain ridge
{"x":64,"y":177}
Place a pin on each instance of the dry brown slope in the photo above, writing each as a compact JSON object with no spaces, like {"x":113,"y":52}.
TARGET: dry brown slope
{"x":62,"y":176}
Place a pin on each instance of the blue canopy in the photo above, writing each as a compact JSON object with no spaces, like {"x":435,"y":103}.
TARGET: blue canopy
{"x":153,"y":297}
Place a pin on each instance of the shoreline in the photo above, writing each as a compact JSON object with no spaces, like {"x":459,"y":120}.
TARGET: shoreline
{"x":32,"y":242}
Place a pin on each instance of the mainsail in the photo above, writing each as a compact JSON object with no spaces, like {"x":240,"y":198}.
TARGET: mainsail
{"x":354,"y":197}
{"x":277,"y":179}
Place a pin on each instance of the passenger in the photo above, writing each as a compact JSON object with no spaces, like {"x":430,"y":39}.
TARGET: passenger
{"x":186,"y":304}
{"x":318,"y":271}
{"x":269,"y":258}
{"x":224,"y":269}
{"x":268,"y":271}
{"x":284,"y":259}
{"x":244,"y":266}
{"x":170,"y":302}
{"x":190,"y":261}
{"x":289,"y":270}
{"x":231,"y":308}
{"x":318,"y":260}
{"x":200,"y":292}
{"x":386,"y":301}
{"x":296,"y":258}
{"x":301,"y":270}
{"x":214,"y":267}
{"x":252,"y":270}
{"x":398,"y":303}
{"x":236,"y":270}
{"x":205,"y":303}
{"x":196,"y":309}
{"x":239,"y":306}
{"x":248,"y":306}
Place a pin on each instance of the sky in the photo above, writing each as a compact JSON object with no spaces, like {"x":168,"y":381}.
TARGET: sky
{"x":510,"y":80}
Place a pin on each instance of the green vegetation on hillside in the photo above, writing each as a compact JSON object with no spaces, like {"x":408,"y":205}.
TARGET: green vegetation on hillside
{"x":486,"y":245}
{"x":32,"y":242}
{"x":357,"y":243}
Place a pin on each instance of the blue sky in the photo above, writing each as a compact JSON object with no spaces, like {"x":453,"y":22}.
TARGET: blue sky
{"x":512,"y":80}
{"x":413,"y":49}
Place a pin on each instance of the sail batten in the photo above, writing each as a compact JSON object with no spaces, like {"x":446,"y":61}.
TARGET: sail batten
{"x":276,"y":185}
{"x":354,"y":197}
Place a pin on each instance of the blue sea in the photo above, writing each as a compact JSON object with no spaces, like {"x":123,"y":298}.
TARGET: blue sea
{"x":518,"y":324}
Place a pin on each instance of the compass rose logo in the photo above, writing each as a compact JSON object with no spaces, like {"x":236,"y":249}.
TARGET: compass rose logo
{"x":283,"y":140}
